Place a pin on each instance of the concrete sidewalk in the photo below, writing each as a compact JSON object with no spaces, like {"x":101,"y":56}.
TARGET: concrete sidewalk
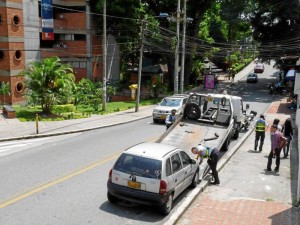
{"x":248,"y":194}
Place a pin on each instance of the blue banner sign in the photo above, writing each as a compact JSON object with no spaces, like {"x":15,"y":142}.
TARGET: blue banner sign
{"x":47,"y":20}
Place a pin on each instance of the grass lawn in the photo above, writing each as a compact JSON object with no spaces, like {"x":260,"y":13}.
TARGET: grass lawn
{"x":65,"y":112}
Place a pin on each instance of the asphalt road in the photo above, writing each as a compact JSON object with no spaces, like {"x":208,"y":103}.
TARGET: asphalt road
{"x":62,"y":180}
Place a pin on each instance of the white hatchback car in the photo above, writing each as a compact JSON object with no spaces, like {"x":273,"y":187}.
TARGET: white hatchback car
{"x":152,"y":174}
{"x":165,"y":107}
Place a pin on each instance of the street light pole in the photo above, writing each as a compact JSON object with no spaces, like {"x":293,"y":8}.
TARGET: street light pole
{"x":177,"y":49}
{"x":138,"y":91}
{"x":183,"y":49}
{"x":104,"y":58}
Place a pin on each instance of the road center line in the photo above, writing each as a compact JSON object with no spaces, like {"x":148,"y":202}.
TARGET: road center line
{"x":54,"y":182}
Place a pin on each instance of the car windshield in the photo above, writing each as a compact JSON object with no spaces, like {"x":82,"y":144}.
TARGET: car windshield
{"x":170,"y":102}
{"x":251,"y":75}
{"x":139,"y":166}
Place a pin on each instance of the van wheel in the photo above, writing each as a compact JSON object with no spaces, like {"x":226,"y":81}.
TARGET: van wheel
{"x":195,"y":179}
{"x":192,"y":111}
{"x":111,"y":198}
{"x":167,"y":206}
{"x":226,"y":145}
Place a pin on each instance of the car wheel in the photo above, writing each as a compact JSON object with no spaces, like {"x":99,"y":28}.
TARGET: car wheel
{"x":167,"y":206}
{"x":155,"y":120}
{"x":111,"y":198}
{"x":192,"y":111}
{"x":195,"y":179}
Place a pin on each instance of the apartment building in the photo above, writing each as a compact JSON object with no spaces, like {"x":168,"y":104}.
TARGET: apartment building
{"x":75,"y":39}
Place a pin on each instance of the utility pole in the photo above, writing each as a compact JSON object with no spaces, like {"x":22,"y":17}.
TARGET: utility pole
{"x":183,"y":49}
{"x":104,"y":58}
{"x":177,"y":49}
{"x":138,"y":91}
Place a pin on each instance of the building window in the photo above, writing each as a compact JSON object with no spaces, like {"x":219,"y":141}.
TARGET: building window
{"x":16,"y":20}
{"x":18,"y":55}
{"x":1,"y":54}
{"x":0,"y":19}
{"x":82,"y":65}
{"x":20,"y":87}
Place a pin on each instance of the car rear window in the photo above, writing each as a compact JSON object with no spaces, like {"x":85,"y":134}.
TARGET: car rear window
{"x":140,"y":166}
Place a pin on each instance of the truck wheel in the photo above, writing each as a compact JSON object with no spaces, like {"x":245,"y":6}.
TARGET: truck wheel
{"x":226,"y":145}
{"x":236,"y":134}
{"x":192,"y":111}
{"x":167,"y":206}
{"x":111,"y":198}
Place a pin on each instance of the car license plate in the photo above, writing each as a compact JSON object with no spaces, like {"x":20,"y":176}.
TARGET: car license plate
{"x":163,"y":117}
{"x":135,"y":185}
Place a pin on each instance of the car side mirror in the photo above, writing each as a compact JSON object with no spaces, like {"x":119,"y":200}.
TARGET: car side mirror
{"x":193,"y":161}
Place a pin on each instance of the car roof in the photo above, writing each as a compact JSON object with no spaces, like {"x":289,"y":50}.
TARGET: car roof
{"x":151,"y":150}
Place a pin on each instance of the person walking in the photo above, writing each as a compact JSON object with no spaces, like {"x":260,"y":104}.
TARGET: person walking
{"x":260,"y":130}
{"x":213,"y":157}
{"x":170,"y":118}
{"x":276,"y":122}
{"x":287,"y":131}
{"x":233,"y":75}
{"x":276,"y":137}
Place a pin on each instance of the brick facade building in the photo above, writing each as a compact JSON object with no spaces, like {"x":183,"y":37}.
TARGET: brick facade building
{"x":76,"y":42}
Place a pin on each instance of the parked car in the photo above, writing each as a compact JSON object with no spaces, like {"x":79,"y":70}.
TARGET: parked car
{"x":164,"y":108}
{"x":252,"y":78}
{"x":152,"y":174}
{"x":259,"y":68}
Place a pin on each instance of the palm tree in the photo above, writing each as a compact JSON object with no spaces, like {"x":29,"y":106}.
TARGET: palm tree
{"x":5,"y":90}
{"x":47,"y":80}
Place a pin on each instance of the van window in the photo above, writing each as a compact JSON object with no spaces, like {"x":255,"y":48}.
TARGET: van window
{"x":139,"y":166}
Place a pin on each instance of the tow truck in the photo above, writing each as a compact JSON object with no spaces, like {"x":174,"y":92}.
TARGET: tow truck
{"x":210,"y":119}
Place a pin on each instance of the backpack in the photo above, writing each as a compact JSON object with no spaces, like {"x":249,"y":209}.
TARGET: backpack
{"x":282,"y":142}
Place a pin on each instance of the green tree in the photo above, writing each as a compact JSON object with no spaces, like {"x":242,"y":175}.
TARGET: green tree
{"x":5,"y":90}
{"x":276,"y":26}
{"x":47,"y":80}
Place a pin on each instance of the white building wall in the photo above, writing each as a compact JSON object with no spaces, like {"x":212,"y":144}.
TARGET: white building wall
{"x":31,"y":30}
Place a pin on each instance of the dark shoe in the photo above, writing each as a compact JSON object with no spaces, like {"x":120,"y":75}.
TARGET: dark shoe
{"x":260,"y":150}
{"x":268,"y":169}
{"x":255,"y":149}
{"x":276,"y":170}
{"x":215,"y":183}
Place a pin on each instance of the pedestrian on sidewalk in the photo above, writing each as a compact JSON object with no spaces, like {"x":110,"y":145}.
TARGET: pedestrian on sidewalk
{"x":276,"y":146}
{"x":260,"y":131}
{"x":213,"y":157}
{"x":276,"y":122}
{"x":287,"y":131}
{"x":233,"y":75}
{"x":216,"y":82}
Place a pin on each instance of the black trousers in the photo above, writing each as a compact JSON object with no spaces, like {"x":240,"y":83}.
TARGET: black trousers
{"x":270,"y":157}
{"x":259,"y":136}
{"x":213,"y":162}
